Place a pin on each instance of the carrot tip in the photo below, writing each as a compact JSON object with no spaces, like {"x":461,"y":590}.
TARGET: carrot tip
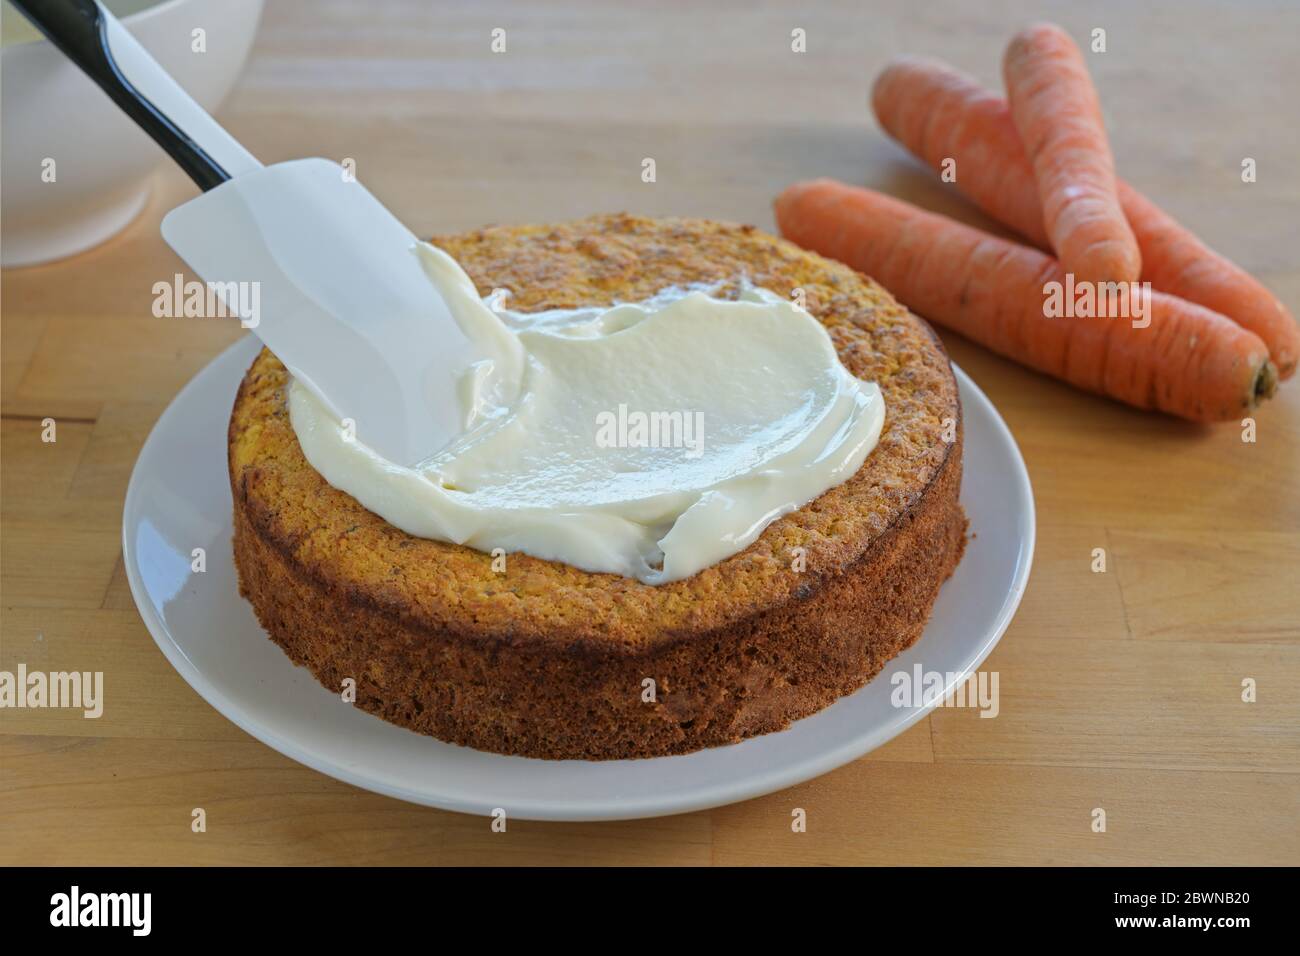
{"x":1265,"y":384}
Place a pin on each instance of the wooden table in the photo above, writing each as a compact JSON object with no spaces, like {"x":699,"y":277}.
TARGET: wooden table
{"x":1120,"y":690}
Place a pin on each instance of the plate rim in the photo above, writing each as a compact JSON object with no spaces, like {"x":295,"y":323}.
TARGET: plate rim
{"x":774,"y":780}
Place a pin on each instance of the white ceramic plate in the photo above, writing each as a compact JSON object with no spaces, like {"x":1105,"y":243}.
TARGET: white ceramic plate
{"x":179,"y":500}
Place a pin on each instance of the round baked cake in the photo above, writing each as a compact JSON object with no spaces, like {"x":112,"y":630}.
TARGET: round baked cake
{"x":542,"y":659}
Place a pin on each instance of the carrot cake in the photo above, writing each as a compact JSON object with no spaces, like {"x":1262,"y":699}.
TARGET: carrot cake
{"x":520,"y":655}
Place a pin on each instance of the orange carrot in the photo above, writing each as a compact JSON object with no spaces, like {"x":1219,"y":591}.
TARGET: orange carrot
{"x":1189,"y":361}
{"x":941,"y":114}
{"x":1055,"y":109}
{"x":1183,"y":265}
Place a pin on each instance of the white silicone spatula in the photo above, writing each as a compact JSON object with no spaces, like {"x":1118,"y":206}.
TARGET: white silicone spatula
{"x":342,"y":299}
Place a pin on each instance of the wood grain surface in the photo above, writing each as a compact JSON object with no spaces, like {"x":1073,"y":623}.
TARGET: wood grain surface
{"x":1120,"y":690}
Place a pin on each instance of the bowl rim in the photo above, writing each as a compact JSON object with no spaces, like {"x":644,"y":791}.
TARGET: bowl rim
{"x":152,"y":10}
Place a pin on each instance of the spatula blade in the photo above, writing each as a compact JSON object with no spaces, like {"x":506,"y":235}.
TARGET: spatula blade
{"x":332,"y":285}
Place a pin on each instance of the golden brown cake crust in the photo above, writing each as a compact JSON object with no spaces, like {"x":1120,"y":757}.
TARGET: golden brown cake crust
{"x":546,"y":660}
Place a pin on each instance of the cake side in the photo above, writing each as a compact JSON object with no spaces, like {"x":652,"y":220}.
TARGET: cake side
{"x":711,"y":688}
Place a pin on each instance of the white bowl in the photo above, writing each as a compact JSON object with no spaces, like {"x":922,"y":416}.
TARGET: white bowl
{"x":102,"y":161}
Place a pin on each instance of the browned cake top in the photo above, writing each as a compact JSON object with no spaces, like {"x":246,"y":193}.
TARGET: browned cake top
{"x":595,"y":261}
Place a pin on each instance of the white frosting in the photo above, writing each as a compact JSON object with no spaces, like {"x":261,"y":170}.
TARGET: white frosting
{"x":651,"y":439}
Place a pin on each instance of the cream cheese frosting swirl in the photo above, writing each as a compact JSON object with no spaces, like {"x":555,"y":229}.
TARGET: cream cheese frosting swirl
{"x":649,"y":439}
